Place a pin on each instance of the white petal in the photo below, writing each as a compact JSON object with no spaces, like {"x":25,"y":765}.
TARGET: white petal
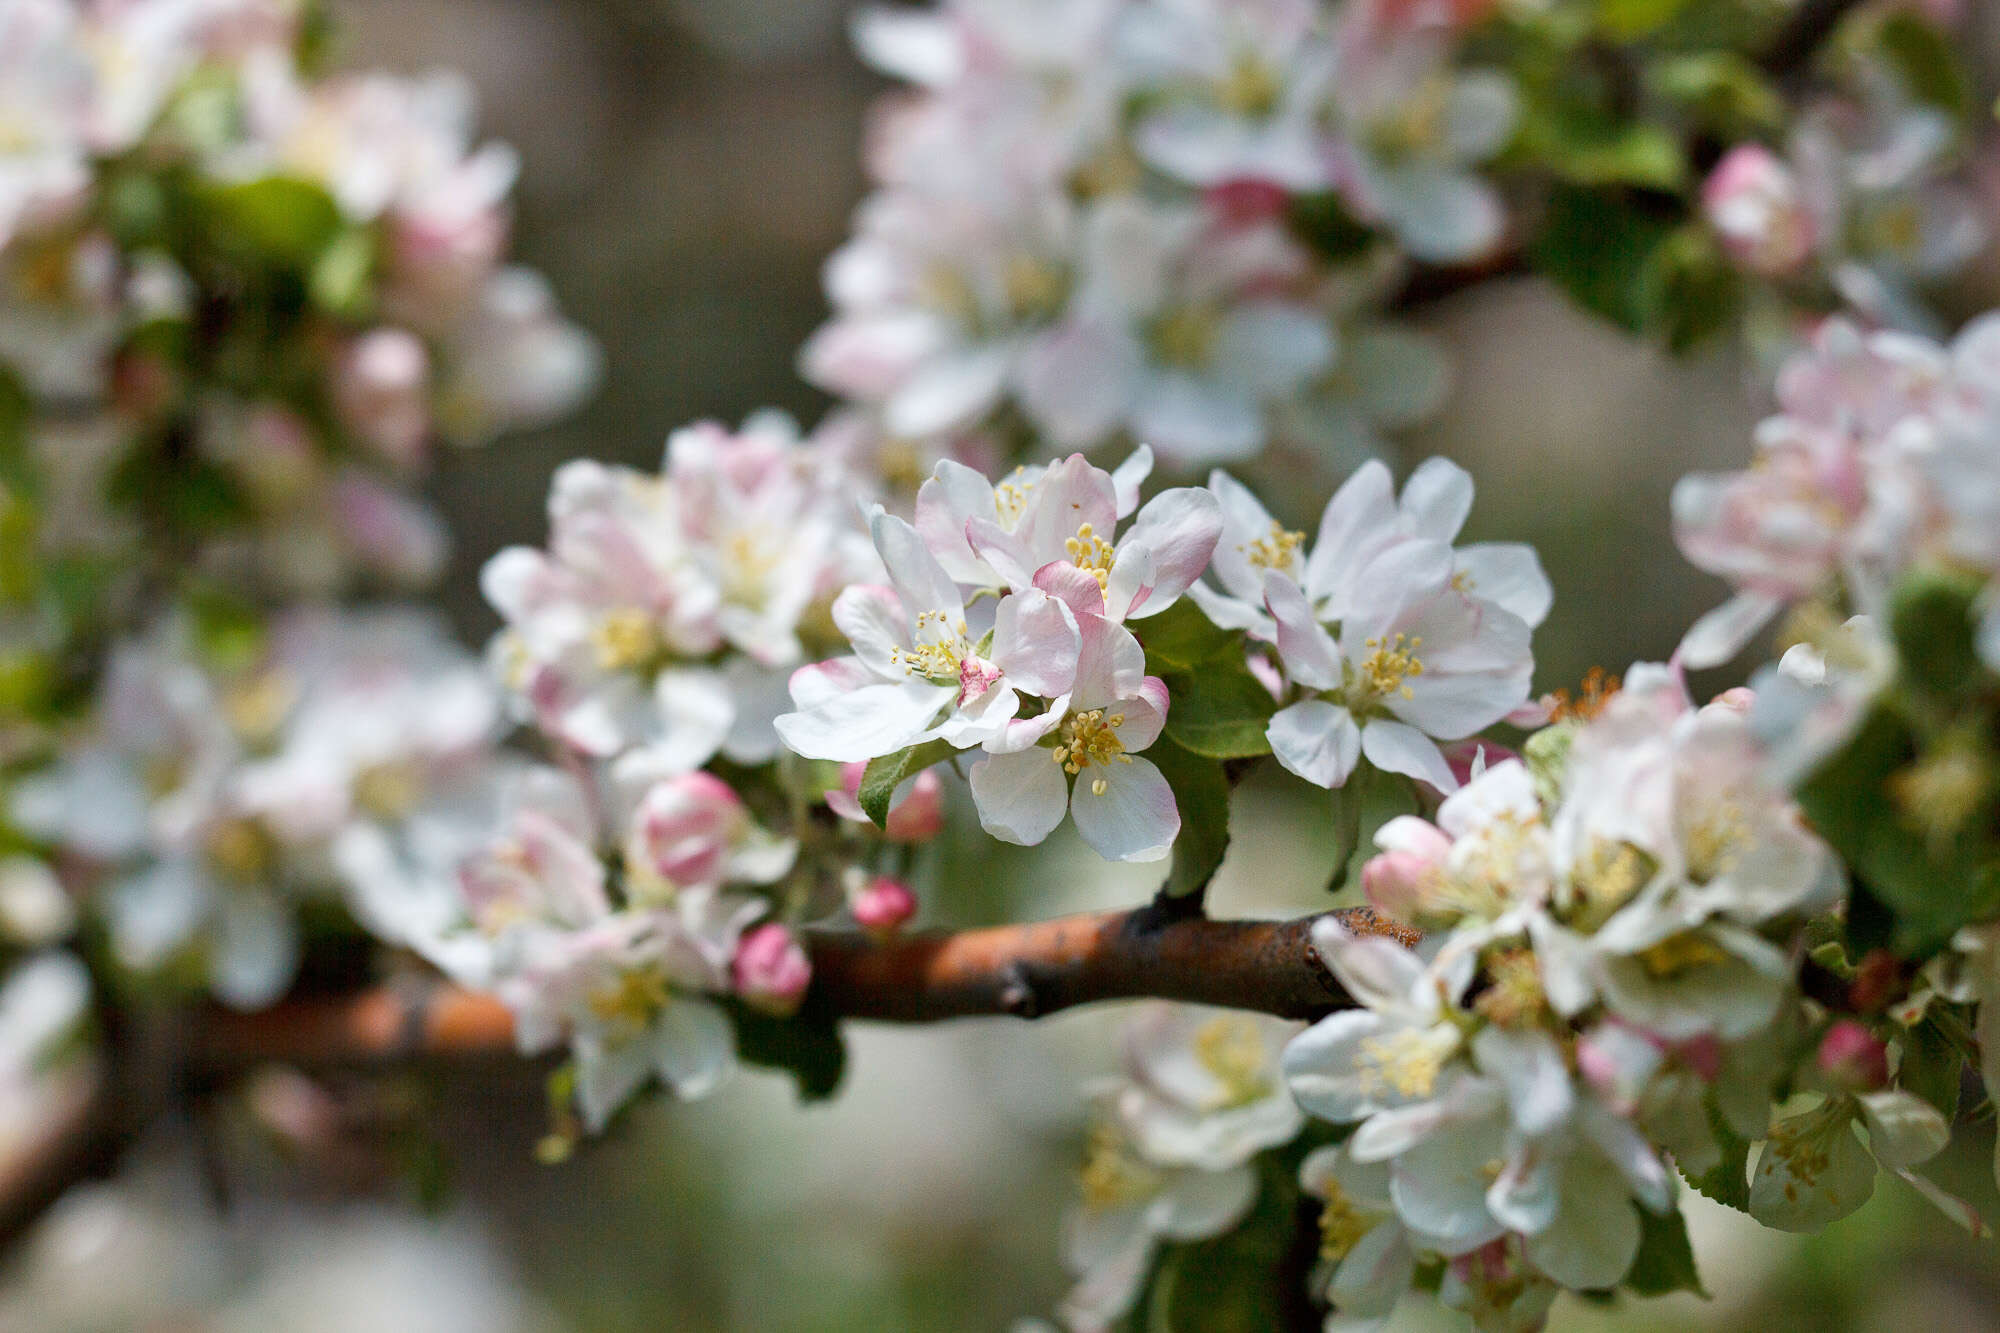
{"x":1397,"y":747}
{"x":865,"y":723}
{"x":1315,"y":740}
{"x":1133,"y":819}
{"x":1723,"y":632}
{"x":1021,"y":796}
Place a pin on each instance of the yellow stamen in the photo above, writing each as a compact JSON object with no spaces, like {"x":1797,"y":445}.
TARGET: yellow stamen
{"x":1341,"y":1224}
{"x":1389,"y":665}
{"x":632,"y":1001}
{"x":1092,"y":554}
{"x":241,"y":850}
{"x":1408,"y":1062}
{"x":1607,"y":877}
{"x":1233,"y":1051}
{"x":1112,"y":1177}
{"x":389,"y":790}
{"x":1275,"y":550}
{"x":1091,"y":738}
{"x":1680,"y":953}
{"x":625,"y":640}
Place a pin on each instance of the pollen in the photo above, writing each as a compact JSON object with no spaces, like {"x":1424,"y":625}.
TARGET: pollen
{"x":625,"y":640}
{"x":1341,"y":1224}
{"x":1681,"y":953}
{"x":257,"y":707}
{"x":1390,"y":665}
{"x":1939,"y":794}
{"x":1092,"y":554}
{"x":1275,"y":549}
{"x":1515,"y":998}
{"x":1599,"y":688}
{"x":1604,"y":879}
{"x":632,"y":1001}
{"x":1252,"y":87}
{"x":1408,"y":1063}
{"x":939,"y":656}
{"x":240,"y":850}
{"x":390,"y":790}
{"x":1091,"y":738}
{"x":1112,"y":1177}
{"x":1232,"y":1050}
{"x":1010,"y":497}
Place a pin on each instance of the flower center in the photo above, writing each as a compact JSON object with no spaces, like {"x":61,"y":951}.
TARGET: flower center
{"x":390,"y":790}
{"x":1035,"y":288}
{"x":748,"y":557}
{"x":1010,"y":497}
{"x":1232,"y":1050}
{"x":1341,"y":1224}
{"x":940,"y":651}
{"x":1275,"y":550}
{"x":1091,"y":554}
{"x":1389,"y":666}
{"x":1091,"y":738}
{"x":1681,"y":953}
{"x":1185,"y":337}
{"x":1408,"y":1062}
{"x":241,"y":850}
{"x":1112,"y":1177}
{"x":257,"y":707}
{"x":625,"y":640}
{"x":1714,"y":843}
{"x":1514,"y":998}
{"x":631,"y":1002}
{"x":1252,"y":87}
{"x":1604,"y":880}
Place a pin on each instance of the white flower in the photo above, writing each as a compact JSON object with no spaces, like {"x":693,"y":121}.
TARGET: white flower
{"x":920,"y":672}
{"x":1368,"y":1258}
{"x":1814,"y":1170}
{"x":1204,"y":1086}
{"x":1121,"y":802}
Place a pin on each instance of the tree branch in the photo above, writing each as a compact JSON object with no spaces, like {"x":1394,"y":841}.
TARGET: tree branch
{"x":1025,"y":971}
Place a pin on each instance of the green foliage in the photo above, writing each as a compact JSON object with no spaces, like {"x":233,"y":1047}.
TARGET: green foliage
{"x":1240,"y":1282}
{"x":227,"y":627}
{"x":1220,"y":713}
{"x":1182,"y":639}
{"x":1201,"y":792}
{"x":883,"y":775}
{"x":1728,"y":1181}
{"x":1626,"y":20}
{"x":277,"y":220}
{"x":1323,"y":222}
{"x":1597,"y":245}
{"x":1665,"y":1262}
{"x":1370,"y":799}
{"x":1931,"y":619}
{"x":1719,"y":90}
{"x":1925,"y":60}
{"x":1933,"y":1065}
{"x":808,"y":1045}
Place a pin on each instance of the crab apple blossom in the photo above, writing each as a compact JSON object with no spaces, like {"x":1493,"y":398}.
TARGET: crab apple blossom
{"x":881,"y":905}
{"x":1756,"y":207}
{"x":770,"y":970}
{"x":693,"y":832}
{"x":916,"y":807}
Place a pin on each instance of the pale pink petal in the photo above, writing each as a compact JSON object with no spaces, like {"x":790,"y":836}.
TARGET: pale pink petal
{"x":1723,"y":632}
{"x":1077,"y":588}
{"x":1021,"y":796}
{"x":1133,"y":818}
{"x":953,"y":496}
{"x":1307,"y":649}
{"x":1111,"y":665}
{"x":919,"y":579}
{"x":1035,"y":642}
{"x":1436,"y":499}
{"x":1358,"y":522}
{"x":876,"y":622}
{"x":866,"y":723}
{"x":1397,"y":747}
{"x":1129,"y":475}
{"x":1175,"y":535}
{"x":1004,"y":552}
{"x":1315,"y":740}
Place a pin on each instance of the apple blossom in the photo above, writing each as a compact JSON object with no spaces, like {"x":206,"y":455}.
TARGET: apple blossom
{"x":881,"y":905}
{"x":1754,"y":203}
{"x":916,"y":807}
{"x":770,"y":970}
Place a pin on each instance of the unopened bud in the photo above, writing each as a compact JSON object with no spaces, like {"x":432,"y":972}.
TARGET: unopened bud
{"x":1853,"y":1058}
{"x":1399,"y":881}
{"x":771,"y":971}
{"x":882,"y":905}
{"x":1754,"y":203}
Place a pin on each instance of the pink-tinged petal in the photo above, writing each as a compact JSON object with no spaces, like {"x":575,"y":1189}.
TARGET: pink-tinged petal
{"x":1133,"y":818}
{"x":1508,"y":574}
{"x":1110,"y":665}
{"x":1307,"y":649}
{"x":953,"y":496}
{"x":1244,"y":520}
{"x":1076,"y":588}
{"x":1228,"y":612}
{"x":1129,"y":475}
{"x":1036,"y":642}
{"x":1397,"y":747}
{"x":1021,"y":732}
{"x":947,"y":393}
{"x":1143,"y":723}
{"x":1436,"y":499}
{"x":817,"y":682}
{"x":866,"y":723}
{"x":876,"y":622}
{"x":510,"y":581}
{"x":1069,"y":495}
{"x":1175,"y":536}
{"x":1075,"y":381}
{"x":920,"y":581}
{"x":1021,"y":796}
{"x":1401,"y":582}
{"x":1359,"y":521}
{"x":1315,"y":740}
{"x":1005,"y":553}
{"x":1723,"y":632}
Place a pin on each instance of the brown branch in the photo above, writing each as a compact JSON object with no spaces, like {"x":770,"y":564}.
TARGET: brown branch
{"x":1025,"y":971}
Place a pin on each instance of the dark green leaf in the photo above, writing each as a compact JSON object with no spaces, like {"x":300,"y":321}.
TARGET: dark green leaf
{"x":1624,"y":20}
{"x":1632,"y":153}
{"x":1721,"y":89}
{"x":1370,"y":799}
{"x":1201,"y":793}
{"x":1665,"y":1262}
{"x":1220,"y":712}
{"x":1927,"y":62}
{"x":1181,"y":638}
{"x":1324,"y":223}
{"x":1597,"y":245}
{"x":1728,"y":1182}
{"x":1234,"y":1283}
{"x":1932,"y":1067}
{"x":808,"y":1045}
{"x":1931,"y":619}
{"x":882,"y":776}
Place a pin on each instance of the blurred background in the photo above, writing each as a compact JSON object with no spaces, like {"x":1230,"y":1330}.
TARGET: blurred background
{"x":689,"y":164}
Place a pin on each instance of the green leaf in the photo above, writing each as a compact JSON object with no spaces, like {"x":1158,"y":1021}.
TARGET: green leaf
{"x":1931,"y":888}
{"x":1728,"y":1181}
{"x":808,"y":1045}
{"x":1931,"y":619}
{"x":1665,"y":1262}
{"x":340,"y":275}
{"x":1201,"y":793}
{"x":1720,"y":89}
{"x":1221,"y":712}
{"x":1234,"y":1282}
{"x":1597,"y":246}
{"x":1927,"y":62}
{"x":1631,"y":153}
{"x":1181,"y":638}
{"x":227,"y":626}
{"x":282,"y":220}
{"x":883,"y":775}
{"x":1624,"y":20}
{"x":1370,"y":799}
{"x":1932,"y":1067}
{"x":1323,"y":222}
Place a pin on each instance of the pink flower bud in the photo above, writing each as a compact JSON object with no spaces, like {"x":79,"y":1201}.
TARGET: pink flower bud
{"x":381,"y":392}
{"x":1759,"y":214}
{"x":1853,"y":1058}
{"x":1735,"y":700}
{"x":1468,"y":759}
{"x":918,"y":817}
{"x":771,"y":970}
{"x":1398,"y":881}
{"x":685,"y":828}
{"x":1247,"y":200}
{"x":882,"y":905}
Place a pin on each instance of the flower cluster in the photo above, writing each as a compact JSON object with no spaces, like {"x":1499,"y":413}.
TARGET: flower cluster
{"x":1171,"y":1148}
{"x":208,"y":801}
{"x":1884,"y":456}
{"x":243,"y":301}
{"x":1002,"y":630}
{"x":1084,"y":223}
{"x":1390,"y":637}
{"x":1608,"y":989}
